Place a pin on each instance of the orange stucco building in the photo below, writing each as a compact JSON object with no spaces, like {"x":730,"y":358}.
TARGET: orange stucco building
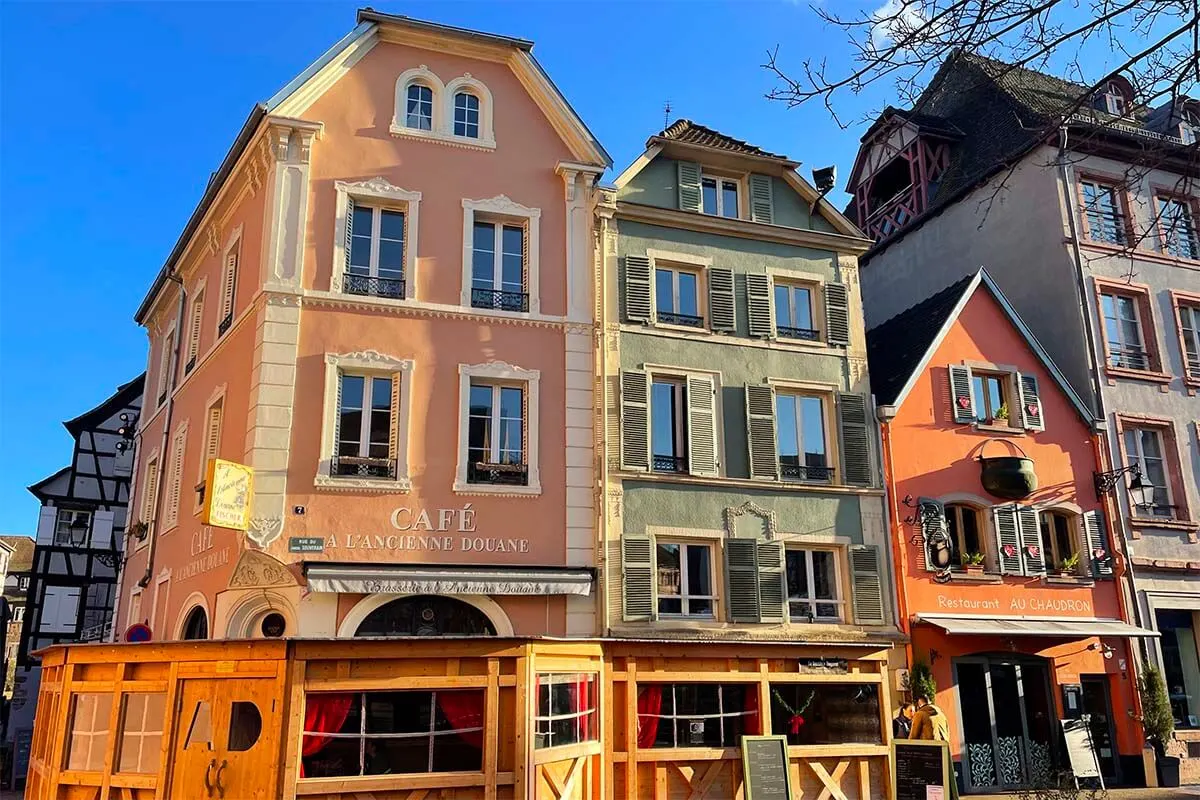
{"x":1008,"y":566}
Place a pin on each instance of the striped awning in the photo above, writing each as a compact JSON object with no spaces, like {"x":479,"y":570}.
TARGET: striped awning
{"x":1067,"y":628}
{"x":425,"y":579}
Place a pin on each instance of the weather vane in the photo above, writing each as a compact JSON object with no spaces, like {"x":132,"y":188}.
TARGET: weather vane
{"x":667,"y":114}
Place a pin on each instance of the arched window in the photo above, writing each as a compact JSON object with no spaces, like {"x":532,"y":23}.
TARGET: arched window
{"x":966,"y":530}
{"x":419,"y":107}
{"x":1060,"y":541}
{"x":196,"y":626}
{"x":466,"y":115}
{"x":426,"y":615}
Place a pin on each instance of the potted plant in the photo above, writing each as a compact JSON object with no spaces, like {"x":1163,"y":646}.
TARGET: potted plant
{"x":921,"y":681}
{"x":973,"y":563}
{"x":1001,"y":417}
{"x":1069,"y":565}
{"x":1158,"y":724}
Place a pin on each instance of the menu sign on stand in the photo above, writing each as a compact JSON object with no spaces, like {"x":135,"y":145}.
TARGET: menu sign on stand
{"x":921,"y":770}
{"x":765,"y":772}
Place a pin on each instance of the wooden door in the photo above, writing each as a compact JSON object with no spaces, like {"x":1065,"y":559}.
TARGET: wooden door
{"x":226,"y":740}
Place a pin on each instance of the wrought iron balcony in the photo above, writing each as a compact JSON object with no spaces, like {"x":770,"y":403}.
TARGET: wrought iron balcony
{"x":805,"y":472}
{"x":96,"y":633}
{"x":187,"y":368}
{"x":1128,"y":358}
{"x":688,"y":320}
{"x":225,"y":323}
{"x":669,"y":463}
{"x":1193,"y":368}
{"x":359,"y":467}
{"x":366,"y":285}
{"x":807,"y":334}
{"x":498,"y":474}
{"x":501,"y":301}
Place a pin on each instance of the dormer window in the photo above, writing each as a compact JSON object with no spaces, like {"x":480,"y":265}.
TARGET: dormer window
{"x":1189,"y":124}
{"x":466,"y":115}
{"x":419,"y":104}
{"x":1113,"y":98}
{"x":720,"y":196}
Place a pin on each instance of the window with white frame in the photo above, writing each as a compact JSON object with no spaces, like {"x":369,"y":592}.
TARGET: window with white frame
{"x":149,"y":498}
{"x":375,"y":240}
{"x":1144,"y":447}
{"x":720,"y":196}
{"x":500,"y":255}
{"x":365,"y":425}
{"x":196,"y":320}
{"x":1189,"y":331}
{"x":466,"y":115}
{"x":813,"y":585}
{"x":210,"y":446}
{"x":71,"y":527}
{"x":668,"y":424}
{"x":498,"y":424}
{"x":677,"y":296}
{"x":802,"y":438}
{"x":684,"y":574}
{"x":418,"y":111}
{"x":1123,"y":331}
{"x":794,"y":312}
{"x":1177,"y":226}
{"x":1112,"y":98}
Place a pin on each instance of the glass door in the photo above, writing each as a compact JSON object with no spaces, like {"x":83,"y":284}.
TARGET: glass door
{"x":1097,"y":704}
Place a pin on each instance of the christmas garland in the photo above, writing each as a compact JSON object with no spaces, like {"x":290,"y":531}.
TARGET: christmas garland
{"x":795,"y":716}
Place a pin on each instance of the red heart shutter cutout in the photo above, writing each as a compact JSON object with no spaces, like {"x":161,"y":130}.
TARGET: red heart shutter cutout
{"x":1031,"y":409}
{"x":1009,"y":550}
{"x":964,"y":402}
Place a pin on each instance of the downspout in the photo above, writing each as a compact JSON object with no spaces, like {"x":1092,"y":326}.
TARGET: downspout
{"x":130,"y":507}
{"x":166,"y":431}
{"x":602,"y":401}
{"x":886,"y":414}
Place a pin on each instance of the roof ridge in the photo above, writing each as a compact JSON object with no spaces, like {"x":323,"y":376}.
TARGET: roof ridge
{"x":689,"y":131}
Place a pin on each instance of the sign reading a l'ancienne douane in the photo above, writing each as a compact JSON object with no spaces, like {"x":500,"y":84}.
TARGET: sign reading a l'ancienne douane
{"x":445,"y":530}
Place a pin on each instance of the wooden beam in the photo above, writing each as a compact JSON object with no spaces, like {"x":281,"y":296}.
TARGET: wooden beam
{"x":491,"y":740}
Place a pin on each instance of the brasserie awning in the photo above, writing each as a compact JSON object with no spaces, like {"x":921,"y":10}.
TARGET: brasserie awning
{"x":1073,"y":628}
{"x":424,"y":579}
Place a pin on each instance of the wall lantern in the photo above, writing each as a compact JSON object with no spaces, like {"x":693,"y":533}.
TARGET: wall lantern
{"x":1140,"y":494}
{"x":1011,"y":477}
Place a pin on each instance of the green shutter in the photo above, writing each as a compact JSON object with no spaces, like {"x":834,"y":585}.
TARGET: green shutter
{"x":1032,"y":554}
{"x":867,"y":583}
{"x":689,"y":186}
{"x":637,"y":570}
{"x":761,"y":200}
{"x":635,"y":419}
{"x":760,"y":426}
{"x":721,"y":315}
{"x":702,"y":425}
{"x":961,"y":398}
{"x":1031,"y":403}
{"x":837,"y":315}
{"x":771,"y":593}
{"x":856,"y":443}
{"x":1096,"y":541}
{"x":758,"y":305}
{"x":741,"y":579}
{"x":637,"y":289}
{"x":1008,"y":539}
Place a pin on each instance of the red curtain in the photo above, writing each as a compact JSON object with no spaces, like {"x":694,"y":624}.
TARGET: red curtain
{"x":753,"y":719}
{"x":649,"y":706}
{"x":323,"y":713}
{"x":582,"y":703}
{"x":464,"y":710}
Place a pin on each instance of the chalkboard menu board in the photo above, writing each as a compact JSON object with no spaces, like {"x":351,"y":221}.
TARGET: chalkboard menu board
{"x":765,"y":770}
{"x":1078,"y":735}
{"x":920,"y":770}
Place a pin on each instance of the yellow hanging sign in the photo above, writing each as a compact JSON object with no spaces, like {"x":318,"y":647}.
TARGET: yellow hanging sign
{"x":229,"y":492}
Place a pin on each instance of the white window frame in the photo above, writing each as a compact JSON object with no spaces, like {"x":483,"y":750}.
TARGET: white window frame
{"x":502,"y":210}
{"x":366,"y":362}
{"x":442,"y":127}
{"x":494,"y":440}
{"x":367,"y":409}
{"x":739,"y":182}
{"x":701,"y":284}
{"x":816,"y":300}
{"x":163,"y":387}
{"x":499,"y":372}
{"x":466,"y":109}
{"x":839,"y":590}
{"x":828,"y":398}
{"x":1139,"y":457}
{"x":408,"y":114}
{"x":72,"y":512}
{"x":148,"y":501}
{"x":1122,"y":344}
{"x":376,"y":192}
{"x":1115,"y":101}
{"x":498,"y":253}
{"x":685,"y":597}
{"x":1191,"y":309}
{"x":471,"y":85}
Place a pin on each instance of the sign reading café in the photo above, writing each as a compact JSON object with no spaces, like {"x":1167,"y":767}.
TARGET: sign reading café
{"x":422,"y":531}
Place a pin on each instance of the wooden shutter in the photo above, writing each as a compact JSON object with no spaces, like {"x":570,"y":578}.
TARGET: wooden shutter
{"x":174,"y":479}
{"x":150,"y":492}
{"x":526,"y":243}
{"x":194,"y":333}
{"x":689,"y":186}
{"x":102,"y":529}
{"x":164,"y":366}
{"x":349,"y":240}
{"x":962,"y":401}
{"x":760,"y":427}
{"x":228,"y":285}
{"x":1096,"y":539}
{"x":772,"y":596}
{"x":1032,"y":554}
{"x":856,"y":443}
{"x":1031,"y":403}
{"x":337,"y":416}
{"x":1008,"y":539}
{"x":721,"y":315}
{"x":635,"y":419}
{"x":741,"y":579}
{"x":394,"y":422}
{"x":867,"y":584}
{"x":637,"y":571}
{"x":702,"y":425}
{"x":637,"y":289}
{"x":761,"y":200}
{"x":47,"y":524}
{"x":212,"y":436}
{"x":837,"y":315}
{"x":758,"y":305}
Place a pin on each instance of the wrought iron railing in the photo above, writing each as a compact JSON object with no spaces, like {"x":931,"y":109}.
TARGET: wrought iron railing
{"x":360,"y":467}
{"x":96,"y":633}
{"x":672,"y":318}
{"x":374,"y":287}
{"x":669,"y":463}
{"x":1128,"y":358}
{"x":225,"y":323}
{"x":807,"y":334}
{"x":1193,"y":368}
{"x":805,"y":472}
{"x":498,"y":474}
{"x":187,"y":368}
{"x":501,"y":301}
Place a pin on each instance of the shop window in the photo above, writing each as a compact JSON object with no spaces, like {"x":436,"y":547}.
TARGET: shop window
{"x":141,"y":732}
{"x":378,"y":733}
{"x":685,"y":584}
{"x":966,"y":532}
{"x":1060,"y":546}
{"x":566,"y":710}
{"x":696,"y":714}
{"x":826,"y":713}
{"x":88,"y":737}
{"x":812,"y":586}
{"x":1181,"y":667}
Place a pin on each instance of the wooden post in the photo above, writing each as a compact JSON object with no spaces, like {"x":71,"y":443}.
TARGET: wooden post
{"x":764,"y":696}
{"x":114,"y":719}
{"x":521,"y":751}
{"x":491,"y":716}
{"x":631,"y":728}
{"x":293,"y":728}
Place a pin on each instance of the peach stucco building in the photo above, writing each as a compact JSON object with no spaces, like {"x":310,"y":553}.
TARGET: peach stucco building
{"x":383,"y":304}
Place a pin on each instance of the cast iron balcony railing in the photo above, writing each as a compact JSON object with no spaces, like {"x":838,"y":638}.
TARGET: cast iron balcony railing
{"x":814,"y":473}
{"x":498,"y":474}
{"x":687,"y":320}
{"x":187,"y":368}
{"x":501,"y":301}
{"x":1128,"y":358}
{"x":225,"y":323}
{"x":96,"y":633}
{"x":366,"y":285}
{"x":670,"y":463}
{"x":1193,"y":368}
{"x":359,"y":467}
{"x":1156,"y":511}
{"x":807,"y":334}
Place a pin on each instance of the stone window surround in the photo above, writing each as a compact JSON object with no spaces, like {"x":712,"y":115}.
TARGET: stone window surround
{"x":502,"y":209}
{"x":147,"y":506}
{"x":1119,"y":184}
{"x":1160,"y":191}
{"x":174,"y":478}
{"x":376,"y":191}
{"x":828,"y":393}
{"x":1142,"y":295}
{"x":199,"y":294}
{"x":1180,"y":298}
{"x":372,"y":363}
{"x":687,"y":262}
{"x":502,"y":372}
{"x":815,"y":283}
{"x":443,"y":109}
{"x":1171,"y":458}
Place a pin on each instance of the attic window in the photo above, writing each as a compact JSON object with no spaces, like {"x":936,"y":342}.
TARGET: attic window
{"x":890,"y":182}
{"x":1114,"y":98}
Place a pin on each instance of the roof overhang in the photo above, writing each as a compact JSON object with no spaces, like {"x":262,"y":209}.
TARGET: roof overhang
{"x":448,"y":580}
{"x":1059,"y":627}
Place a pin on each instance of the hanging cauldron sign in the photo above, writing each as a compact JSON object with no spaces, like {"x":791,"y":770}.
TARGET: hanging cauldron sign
{"x":1011,"y":477}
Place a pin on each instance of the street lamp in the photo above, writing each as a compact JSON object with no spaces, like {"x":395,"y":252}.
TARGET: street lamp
{"x":1140,"y":494}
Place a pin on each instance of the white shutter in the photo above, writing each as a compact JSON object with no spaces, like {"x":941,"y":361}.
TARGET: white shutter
{"x":760,"y":428}
{"x":174,"y":479}
{"x":102,"y":530}
{"x":689,"y":186}
{"x":228,"y":285}
{"x":637,"y":289}
{"x":194,"y":330}
{"x":637,"y":572}
{"x":150,"y":492}
{"x":635,"y":420}
{"x":760,"y":321}
{"x":761,"y":199}
{"x":961,"y":399}
{"x":1032,"y":554}
{"x":1008,"y":539}
{"x":702,"y":425}
{"x":1031,"y":403}
{"x":47,"y":522}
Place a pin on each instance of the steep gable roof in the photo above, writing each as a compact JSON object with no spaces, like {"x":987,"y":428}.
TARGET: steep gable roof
{"x":22,"y":553}
{"x":687,"y":132}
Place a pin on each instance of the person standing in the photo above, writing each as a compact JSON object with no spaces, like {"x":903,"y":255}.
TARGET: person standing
{"x":902,"y":722}
{"x":930,"y":724}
